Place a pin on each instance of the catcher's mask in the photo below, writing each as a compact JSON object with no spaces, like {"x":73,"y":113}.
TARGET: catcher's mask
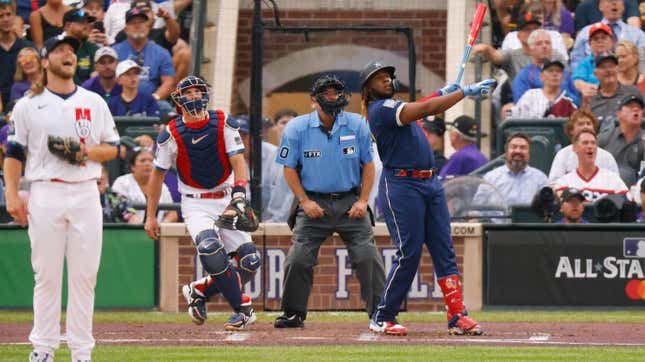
{"x":194,"y":107}
{"x":320,"y":88}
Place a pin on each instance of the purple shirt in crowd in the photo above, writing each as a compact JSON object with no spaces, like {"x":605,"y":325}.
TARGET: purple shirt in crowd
{"x":567,"y":24}
{"x":463,"y":162}
{"x":19,"y":89}
{"x":94,"y":84}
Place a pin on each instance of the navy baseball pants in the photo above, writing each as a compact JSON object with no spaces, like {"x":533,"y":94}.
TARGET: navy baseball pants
{"x":416,"y":213}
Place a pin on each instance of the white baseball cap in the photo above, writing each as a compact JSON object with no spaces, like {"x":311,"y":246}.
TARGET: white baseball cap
{"x":126,"y":65}
{"x":102,"y":51}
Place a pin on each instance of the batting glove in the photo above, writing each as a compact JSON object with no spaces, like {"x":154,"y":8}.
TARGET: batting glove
{"x":482,"y":88}
{"x":448,"y":88}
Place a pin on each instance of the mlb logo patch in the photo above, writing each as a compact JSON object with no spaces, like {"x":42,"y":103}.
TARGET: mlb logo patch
{"x":634,"y":248}
{"x":349,"y":150}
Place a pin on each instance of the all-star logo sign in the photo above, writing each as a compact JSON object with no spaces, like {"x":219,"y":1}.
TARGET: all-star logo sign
{"x":630,"y":266}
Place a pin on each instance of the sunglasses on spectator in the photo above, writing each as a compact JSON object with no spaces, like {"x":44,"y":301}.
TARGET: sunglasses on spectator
{"x":26,"y":58}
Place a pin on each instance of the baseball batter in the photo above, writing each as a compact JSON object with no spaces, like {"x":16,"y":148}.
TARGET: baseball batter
{"x":413,"y":200}
{"x":208,"y":151}
{"x":63,"y":133}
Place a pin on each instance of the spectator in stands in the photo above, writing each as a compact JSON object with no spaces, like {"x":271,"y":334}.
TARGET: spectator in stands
{"x":131,"y":101}
{"x":588,"y":12}
{"x":628,"y":61}
{"x":47,"y":21}
{"x":550,"y":100}
{"x":104,"y":84}
{"x":281,"y":118}
{"x":529,"y":77}
{"x":558,"y":18}
{"x":433,"y":128}
{"x":625,"y":139}
{"x":133,"y":185}
{"x":270,"y":169}
{"x":157,"y":76}
{"x":601,"y":40}
{"x":116,"y":13}
{"x":76,"y":25}
{"x":116,"y":208}
{"x":535,"y":10}
{"x":594,"y":182}
{"x":516,"y":181}
{"x":572,"y":207}
{"x":10,"y":46}
{"x":28,"y":72}
{"x":605,"y":103}
{"x":166,"y":36}
{"x":96,"y":10}
{"x":467,"y":158}
{"x":566,"y":160}
{"x":25,"y":7}
{"x":612,"y":11}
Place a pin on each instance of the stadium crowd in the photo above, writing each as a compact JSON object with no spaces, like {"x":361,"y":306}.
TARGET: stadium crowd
{"x":581,"y":60}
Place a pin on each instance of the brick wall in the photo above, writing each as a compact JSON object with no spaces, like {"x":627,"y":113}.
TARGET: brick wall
{"x":323,"y":296}
{"x":429,"y":37}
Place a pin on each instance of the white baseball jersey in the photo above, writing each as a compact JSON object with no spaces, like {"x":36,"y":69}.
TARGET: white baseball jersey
{"x":566,"y":161}
{"x":600,"y":184}
{"x":534,"y":104}
{"x":84,"y":115}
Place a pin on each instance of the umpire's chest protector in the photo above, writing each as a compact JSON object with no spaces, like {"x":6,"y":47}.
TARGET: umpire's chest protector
{"x":201,"y":153}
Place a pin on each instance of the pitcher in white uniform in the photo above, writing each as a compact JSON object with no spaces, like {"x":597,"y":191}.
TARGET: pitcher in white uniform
{"x":64,"y":209}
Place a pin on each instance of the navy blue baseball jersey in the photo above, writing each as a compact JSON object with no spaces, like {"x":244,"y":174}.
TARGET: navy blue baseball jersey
{"x":399,"y":146}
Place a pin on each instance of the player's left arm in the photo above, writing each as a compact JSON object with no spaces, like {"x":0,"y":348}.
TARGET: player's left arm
{"x":240,"y":173}
{"x":417,"y":110}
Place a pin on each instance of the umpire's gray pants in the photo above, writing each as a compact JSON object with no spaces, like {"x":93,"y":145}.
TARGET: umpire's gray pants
{"x":309,"y":234}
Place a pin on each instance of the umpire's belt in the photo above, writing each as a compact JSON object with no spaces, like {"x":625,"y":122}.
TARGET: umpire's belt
{"x":333,"y":195}
{"x":207,"y":195}
{"x":404,"y":172}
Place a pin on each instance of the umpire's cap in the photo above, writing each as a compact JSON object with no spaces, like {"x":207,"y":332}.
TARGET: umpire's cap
{"x":53,"y":42}
{"x":371,"y":69}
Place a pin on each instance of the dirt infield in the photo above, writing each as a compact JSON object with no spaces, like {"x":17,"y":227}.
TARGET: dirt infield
{"x":263,"y":334}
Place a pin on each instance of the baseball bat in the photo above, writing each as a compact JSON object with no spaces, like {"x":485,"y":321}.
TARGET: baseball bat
{"x":476,"y":25}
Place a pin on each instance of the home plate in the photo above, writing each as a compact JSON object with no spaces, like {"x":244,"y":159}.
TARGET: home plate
{"x":539,"y":337}
{"x":237,"y":337}
{"x":368,"y":337}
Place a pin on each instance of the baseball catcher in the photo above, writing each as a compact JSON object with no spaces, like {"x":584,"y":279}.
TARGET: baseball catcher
{"x":67,"y":149}
{"x":238,"y":215}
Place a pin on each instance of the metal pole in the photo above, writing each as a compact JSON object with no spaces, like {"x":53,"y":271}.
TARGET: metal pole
{"x":256,"y":109}
{"x":412,"y":65}
{"x":197,"y":36}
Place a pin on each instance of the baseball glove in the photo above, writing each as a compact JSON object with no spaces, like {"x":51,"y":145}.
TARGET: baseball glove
{"x":238,"y":215}
{"x":66,"y":148}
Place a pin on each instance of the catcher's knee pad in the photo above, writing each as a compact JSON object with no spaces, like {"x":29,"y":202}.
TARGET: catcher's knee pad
{"x":248,"y":260}
{"x":211,"y":252}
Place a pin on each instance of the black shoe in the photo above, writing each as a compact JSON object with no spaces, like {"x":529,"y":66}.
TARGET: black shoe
{"x":289,"y":321}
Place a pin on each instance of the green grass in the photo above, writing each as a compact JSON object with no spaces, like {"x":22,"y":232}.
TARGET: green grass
{"x":484,"y":316}
{"x":344,"y":353}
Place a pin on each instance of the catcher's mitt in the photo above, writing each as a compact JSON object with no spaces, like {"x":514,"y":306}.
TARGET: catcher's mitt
{"x":66,"y":148}
{"x":238,"y":215}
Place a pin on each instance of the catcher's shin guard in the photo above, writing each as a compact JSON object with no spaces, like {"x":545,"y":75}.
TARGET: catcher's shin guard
{"x":211,"y":252}
{"x":458,"y":321}
{"x":248,"y":261}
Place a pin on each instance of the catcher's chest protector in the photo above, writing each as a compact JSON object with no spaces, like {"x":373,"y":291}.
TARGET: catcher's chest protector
{"x":201,"y":153}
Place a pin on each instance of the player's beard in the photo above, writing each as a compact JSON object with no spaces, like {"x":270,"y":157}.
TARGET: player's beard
{"x":62,"y":72}
{"x":382,"y":95}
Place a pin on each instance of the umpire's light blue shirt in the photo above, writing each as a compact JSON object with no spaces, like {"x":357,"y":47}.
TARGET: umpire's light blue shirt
{"x":329,"y":163}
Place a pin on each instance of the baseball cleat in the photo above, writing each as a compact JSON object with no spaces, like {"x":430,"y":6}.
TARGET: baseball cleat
{"x":196,"y":304}
{"x":461,"y":324}
{"x":239,"y":320}
{"x":289,"y":321}
{"x":392,"y":328}
{"x":40,"y":357}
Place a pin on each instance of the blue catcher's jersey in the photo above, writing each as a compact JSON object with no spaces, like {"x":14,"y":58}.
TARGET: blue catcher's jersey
{"x":398,"y":146}
{"x":202,"y":161}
